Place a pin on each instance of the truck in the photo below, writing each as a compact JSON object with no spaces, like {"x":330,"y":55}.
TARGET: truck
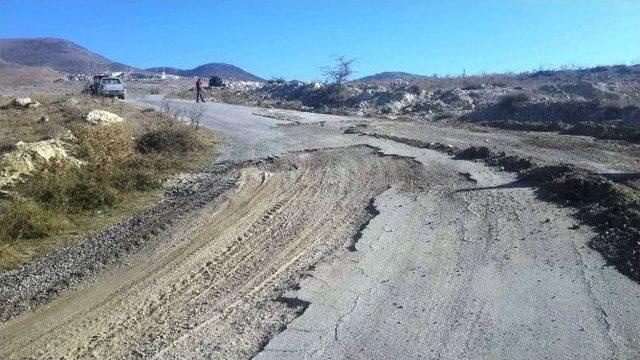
{"x":110,"y":86}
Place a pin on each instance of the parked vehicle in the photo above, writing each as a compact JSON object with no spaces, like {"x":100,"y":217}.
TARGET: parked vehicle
{"x":104,"y":85}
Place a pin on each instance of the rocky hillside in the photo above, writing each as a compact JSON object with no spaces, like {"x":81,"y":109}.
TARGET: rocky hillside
{"x":14,"y":75}
{"x":58,"y":54}
{"x":225,"y":71}
{"x":603,"y":102}
{"x":389,"y":76}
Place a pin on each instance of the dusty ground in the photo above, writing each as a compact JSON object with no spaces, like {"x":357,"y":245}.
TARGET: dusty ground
{"x":453,"y":259}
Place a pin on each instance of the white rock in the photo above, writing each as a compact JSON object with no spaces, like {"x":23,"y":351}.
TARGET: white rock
{"x":101,"y":117}
{"x":22,"y":102}
{"x":26,"y":156}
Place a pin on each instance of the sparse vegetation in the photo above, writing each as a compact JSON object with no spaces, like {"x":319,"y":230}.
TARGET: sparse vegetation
{"x":215,"y":81}
{"x":122,"y":167}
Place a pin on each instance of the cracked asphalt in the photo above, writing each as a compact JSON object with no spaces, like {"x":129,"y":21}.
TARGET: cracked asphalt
{"x":465,"y":271}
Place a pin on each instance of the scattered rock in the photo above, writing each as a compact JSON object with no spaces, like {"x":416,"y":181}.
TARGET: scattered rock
{"x":43,"y":119}
{"x":101,"y":117}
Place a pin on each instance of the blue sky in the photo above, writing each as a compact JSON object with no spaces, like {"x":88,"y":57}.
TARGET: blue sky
{"x":294,"y":39}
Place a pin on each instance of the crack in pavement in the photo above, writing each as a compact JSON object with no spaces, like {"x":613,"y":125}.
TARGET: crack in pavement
{"x":343,"y":317}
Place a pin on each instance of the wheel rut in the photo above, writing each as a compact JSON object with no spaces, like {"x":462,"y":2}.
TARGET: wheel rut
{"x":212,"y":290}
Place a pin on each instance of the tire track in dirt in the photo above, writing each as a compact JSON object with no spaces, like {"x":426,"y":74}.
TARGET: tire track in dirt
{"x":208,"y":293}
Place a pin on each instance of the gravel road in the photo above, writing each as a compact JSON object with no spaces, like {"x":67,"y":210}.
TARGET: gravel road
{"x":325,"y":245}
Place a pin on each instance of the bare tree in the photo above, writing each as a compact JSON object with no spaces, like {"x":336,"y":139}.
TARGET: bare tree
{"x":339,"y":71}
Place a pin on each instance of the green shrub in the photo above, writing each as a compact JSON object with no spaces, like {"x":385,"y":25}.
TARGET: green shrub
{"x":91,"y":195}
{"x":24,"y":219}
{"x":177,"y":138}
{"x":137,"y":174}
{"x":71,"y":188}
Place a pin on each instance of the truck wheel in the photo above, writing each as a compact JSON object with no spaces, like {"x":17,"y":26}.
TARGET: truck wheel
{"x":121,"y":97}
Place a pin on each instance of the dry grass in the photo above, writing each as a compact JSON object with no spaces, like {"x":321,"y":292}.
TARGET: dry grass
{"x":61,"y":203}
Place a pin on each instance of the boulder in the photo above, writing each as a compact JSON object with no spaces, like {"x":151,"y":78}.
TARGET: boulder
{"x":25,"y":157}
{"x":24,"y":103}
{"x":101,"y":117}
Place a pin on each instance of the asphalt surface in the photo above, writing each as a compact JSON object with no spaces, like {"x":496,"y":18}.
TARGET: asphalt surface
{"x":488,"y":273}
{"x":342,"y":246}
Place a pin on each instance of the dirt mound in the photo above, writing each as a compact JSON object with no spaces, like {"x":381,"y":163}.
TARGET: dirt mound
{"x":474,"y":152}
{"x":612,"y":208}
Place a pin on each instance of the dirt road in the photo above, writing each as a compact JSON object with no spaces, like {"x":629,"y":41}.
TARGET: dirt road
{"x":454,"y":260}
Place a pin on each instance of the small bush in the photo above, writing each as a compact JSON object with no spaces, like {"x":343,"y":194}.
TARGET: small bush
{"x":112,"y":168}
{"x":178,"y":138}
{"x":73,"y":111}
{"x":104,"y":145}
{"x":71,"y":188}
{"x":276,"y":80}
{"x":414,"y":89}
{"x":24,"y":219}
{"x":215,"y":81}
{"x":137,"y":174}
{"x":91,"y":194}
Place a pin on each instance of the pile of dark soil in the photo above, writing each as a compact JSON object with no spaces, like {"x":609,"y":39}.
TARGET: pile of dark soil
{"x":610,"y":131}
{"x":613,"y":210}
{"x":526,"y":126}
{"x":510,"y":162}
{"x":474,"y":152}
{"x":449,"y":149}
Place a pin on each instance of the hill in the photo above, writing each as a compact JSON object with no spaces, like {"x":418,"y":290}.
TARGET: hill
{"x":58,"y":54}
{"x":224,"y":71}
{"x":389,"y":76}
{"x":14,"y":75}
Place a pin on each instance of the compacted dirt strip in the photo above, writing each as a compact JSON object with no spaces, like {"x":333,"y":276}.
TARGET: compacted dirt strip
{"x":217,"y":275}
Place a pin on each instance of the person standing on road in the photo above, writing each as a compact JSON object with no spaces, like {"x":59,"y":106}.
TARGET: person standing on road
{"x":199,"y":91}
